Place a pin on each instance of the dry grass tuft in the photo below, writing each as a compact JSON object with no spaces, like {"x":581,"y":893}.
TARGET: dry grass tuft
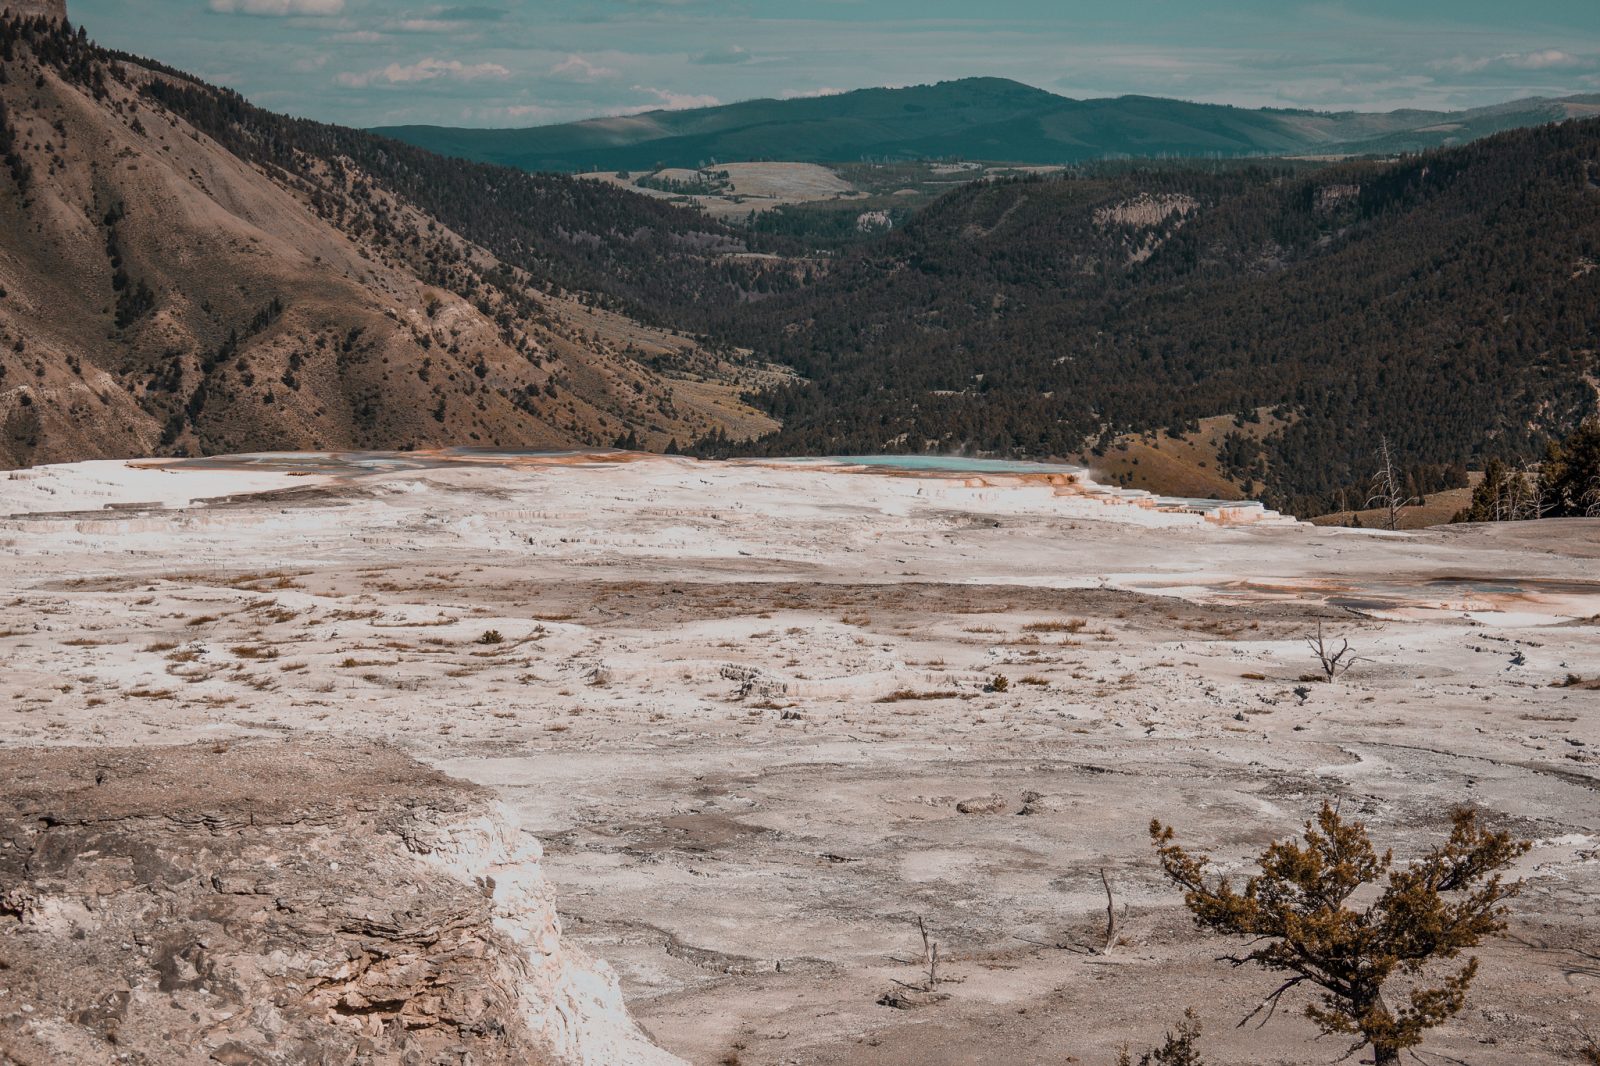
{"x":900,"y":695}
{"x":1070,"y":625}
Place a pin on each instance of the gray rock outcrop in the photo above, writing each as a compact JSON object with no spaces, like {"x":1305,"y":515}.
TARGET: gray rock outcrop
{"x":282,"y":902}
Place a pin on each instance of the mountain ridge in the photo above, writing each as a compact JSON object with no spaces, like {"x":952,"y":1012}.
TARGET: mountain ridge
{"x":182,"y":274}
{"x":971,"y":118}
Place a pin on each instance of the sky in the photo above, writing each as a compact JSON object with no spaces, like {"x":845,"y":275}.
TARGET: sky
{"x":533,"y":62}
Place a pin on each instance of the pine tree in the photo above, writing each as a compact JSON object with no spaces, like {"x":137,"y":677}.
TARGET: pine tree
{"x":1569,"y":481}
{"x":1296,"y":913}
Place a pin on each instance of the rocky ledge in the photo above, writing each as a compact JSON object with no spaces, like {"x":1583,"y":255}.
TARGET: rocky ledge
{"x":54,"y":10}
{"x":282,"y":902}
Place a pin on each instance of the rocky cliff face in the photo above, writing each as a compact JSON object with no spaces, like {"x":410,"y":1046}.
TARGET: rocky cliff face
{"x":271,"y":903}
{"x":55,"y":10}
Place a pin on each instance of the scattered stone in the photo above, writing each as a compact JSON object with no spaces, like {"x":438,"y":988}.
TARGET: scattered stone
{"x":1033,"y":803}
{"x":911,"y":998}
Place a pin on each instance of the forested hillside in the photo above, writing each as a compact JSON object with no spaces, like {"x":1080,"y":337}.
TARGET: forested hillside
{"x":580,"y":235}
{"x":183,"y":273}
{"x":970,"y":118}
{"x":1450,"y":302}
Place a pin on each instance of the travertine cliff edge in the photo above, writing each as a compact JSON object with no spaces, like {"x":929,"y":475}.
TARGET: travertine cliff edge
{"x":290,"y":902}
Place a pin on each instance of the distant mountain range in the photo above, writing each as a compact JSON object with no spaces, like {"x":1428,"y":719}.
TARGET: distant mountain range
{"x":973,"y":118}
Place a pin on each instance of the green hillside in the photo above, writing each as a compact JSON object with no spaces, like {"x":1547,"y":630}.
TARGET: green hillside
{"x":1449,"y":301}
{"x":974,"y":118}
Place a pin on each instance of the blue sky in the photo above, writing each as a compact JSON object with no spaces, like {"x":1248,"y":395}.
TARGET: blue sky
{"x":529,"y":62}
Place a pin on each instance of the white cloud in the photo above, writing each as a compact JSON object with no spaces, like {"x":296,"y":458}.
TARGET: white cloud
{"x":1548,"y":59}
{"x":472,"y":13}
{"x":429,"y":69}
{"x":278,"y":8}
{"x":577,"y":68}
{"x":726,"y":54}
{"x":446,"y":19}
{"x":1332,"y":54}
{"x":526,"y":111}
{"x":1542,"y":59}
{"x":667,"y":100}
{"x":425,"y":26}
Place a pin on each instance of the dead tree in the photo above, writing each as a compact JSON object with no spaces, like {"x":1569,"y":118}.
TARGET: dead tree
{"x":1333,"y":662}
{"x":1388,"y":491}
{"x":1527,"y":501}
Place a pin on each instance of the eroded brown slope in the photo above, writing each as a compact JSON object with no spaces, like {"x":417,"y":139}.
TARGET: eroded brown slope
{"x":161,"y":296}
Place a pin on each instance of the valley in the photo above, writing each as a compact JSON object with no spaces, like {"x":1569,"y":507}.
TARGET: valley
{"x":189,"y":274}
{"x":873,"y":577}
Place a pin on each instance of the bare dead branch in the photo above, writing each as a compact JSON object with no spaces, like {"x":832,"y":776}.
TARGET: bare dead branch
{"x":930,"y":955}
{"x":1111,"y":914}
{"x":1270,"y":1003}
{"x":1333,"y":662}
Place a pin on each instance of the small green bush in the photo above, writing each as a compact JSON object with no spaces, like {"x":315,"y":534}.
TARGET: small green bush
{"x":1179,"y":1050}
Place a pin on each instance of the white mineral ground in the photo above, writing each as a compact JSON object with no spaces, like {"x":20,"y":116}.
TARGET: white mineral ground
{"x":744,"y":706}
